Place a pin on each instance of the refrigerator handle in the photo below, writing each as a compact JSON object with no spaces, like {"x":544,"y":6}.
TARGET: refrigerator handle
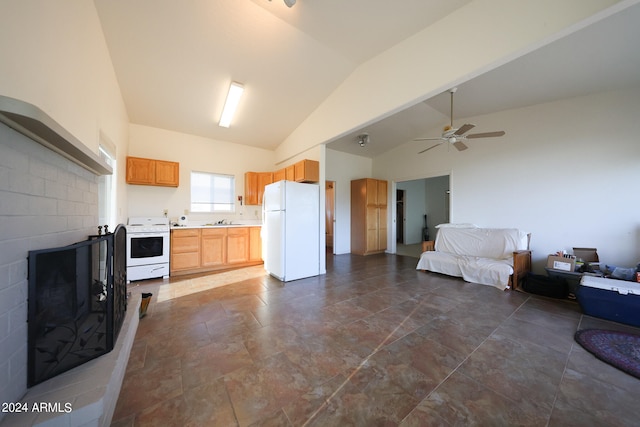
{"x":263,"y":218}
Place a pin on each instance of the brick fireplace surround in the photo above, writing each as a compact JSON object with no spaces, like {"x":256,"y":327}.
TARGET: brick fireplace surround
{"x":46,"y":201}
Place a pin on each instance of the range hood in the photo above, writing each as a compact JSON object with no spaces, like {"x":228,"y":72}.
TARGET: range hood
{"x":34,"y":123}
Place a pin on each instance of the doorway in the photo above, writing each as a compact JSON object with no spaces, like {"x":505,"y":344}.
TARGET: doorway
{"x":330,"y":213}
{"x":400,"y":214}
{"x":421,"y":205}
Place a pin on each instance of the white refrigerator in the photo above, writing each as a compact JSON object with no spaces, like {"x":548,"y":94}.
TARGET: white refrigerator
{"x":291,"y":230}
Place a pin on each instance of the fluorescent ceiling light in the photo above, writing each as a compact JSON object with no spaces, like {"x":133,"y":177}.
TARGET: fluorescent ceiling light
{"x":230,"y":105}
{"x":289,"y":3}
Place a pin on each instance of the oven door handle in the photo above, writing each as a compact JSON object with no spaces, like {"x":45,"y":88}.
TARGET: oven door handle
{"x":149,"y":234}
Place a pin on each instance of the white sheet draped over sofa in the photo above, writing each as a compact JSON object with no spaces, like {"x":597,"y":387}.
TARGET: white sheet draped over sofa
{"x":478,"y":255}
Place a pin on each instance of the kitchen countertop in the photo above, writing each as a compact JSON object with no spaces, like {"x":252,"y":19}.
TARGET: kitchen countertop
{"x":185,"y":227}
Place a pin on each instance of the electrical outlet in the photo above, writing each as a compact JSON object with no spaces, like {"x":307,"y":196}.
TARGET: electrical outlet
{"x":186,"y":211}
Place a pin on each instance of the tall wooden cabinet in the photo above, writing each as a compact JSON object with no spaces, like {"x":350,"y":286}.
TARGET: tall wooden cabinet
{"x":368,"y":216}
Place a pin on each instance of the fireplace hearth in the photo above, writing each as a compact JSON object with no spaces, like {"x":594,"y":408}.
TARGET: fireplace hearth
{"x":77,"y":303}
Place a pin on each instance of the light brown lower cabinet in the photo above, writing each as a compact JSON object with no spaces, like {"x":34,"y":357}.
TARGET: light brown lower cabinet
{"x":237,"y":245}
{"x":197,"y":250}
{"x":214,"y":247}
{"x":255,"y":244}
{"x":185,"y":250}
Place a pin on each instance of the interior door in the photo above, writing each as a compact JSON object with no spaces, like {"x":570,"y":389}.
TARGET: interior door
{"x":400,"y":216}
{"x":329,"y":212}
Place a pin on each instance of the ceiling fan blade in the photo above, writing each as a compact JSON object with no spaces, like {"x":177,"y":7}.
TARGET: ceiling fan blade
{"x":486,"y":134}
{"x":460,"y":145}
{"x":433,"y":146}
{"x":464,"y":128}
{"x":430,"y":139}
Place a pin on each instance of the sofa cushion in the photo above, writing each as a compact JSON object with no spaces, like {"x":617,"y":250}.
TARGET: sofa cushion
{"x":487,"y":271}
{"x":496,"y":243}
{"x":440,"y":262}
{"x":484,"y":271}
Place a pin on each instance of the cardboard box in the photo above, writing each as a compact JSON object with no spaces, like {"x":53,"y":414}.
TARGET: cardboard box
{"x":561,"y":263}
{"x":589,"y":255}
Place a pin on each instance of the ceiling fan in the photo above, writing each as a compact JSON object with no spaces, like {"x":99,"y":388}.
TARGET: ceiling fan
{"x":455,"y":136}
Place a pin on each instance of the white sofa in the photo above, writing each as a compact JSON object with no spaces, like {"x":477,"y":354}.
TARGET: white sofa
{"x":497,"y":257}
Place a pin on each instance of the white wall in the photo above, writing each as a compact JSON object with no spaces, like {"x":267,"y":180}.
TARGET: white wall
{"x":420,"y":66}
{"x":565,"y":171}
{"x":54,"y":56}
{"x":343,"y":168}
{"x":436,"y":189}
{"x":194,"y":153}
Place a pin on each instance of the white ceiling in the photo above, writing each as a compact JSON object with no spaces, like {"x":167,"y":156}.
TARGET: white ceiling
{"x":604,"y":56}
{"x":174,"y":61}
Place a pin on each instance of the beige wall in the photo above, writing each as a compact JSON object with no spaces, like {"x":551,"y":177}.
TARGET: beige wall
{"x":53,"y":56}
{"x":194,"y":153}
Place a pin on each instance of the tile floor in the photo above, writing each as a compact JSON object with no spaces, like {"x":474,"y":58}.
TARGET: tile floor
{"x":372,"y":342}
{"x":413,"y":250}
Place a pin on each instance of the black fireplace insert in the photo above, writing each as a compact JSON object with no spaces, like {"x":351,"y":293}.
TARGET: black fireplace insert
{"x":77,"y":302}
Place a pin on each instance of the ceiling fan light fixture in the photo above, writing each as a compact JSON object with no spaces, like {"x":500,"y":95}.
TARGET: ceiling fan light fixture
{"x":231,"y":104}
{"x":455,"y":136}
{"x":363,"y":139}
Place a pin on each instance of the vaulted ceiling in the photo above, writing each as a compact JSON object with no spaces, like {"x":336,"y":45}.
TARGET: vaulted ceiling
{"x":174,"y":61}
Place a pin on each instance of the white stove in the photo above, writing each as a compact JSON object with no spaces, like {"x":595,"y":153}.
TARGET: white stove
{"x":146,"y":225}
{"x":147,"y":248}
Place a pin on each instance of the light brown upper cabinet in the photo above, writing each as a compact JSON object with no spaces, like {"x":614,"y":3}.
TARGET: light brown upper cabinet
{"x":141,"y":171}
{"x":290,"y":173}
{"x":167,"y":173}
{"x":254,"y":183}
{"x":302,"y":171}
{"x":307,"y":171}
{"x":280,"y":175}
{"x":368,"y":216}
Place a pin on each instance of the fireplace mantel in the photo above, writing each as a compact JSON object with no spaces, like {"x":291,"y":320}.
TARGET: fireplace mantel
{"x":34,"y":123}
